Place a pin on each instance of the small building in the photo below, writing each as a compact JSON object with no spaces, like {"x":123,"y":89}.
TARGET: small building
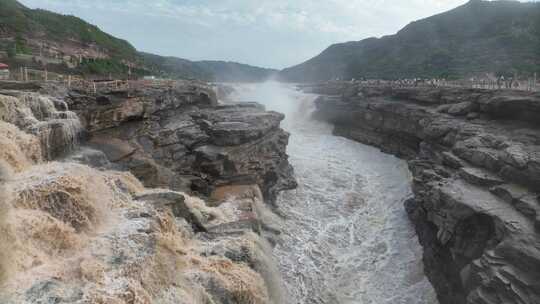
{"x":4,"y":71}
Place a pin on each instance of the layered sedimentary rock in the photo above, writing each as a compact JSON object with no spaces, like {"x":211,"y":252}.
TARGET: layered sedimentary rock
{"x":475,"y":159}
{"x":179,"y":137}
{"x":76,"y":230}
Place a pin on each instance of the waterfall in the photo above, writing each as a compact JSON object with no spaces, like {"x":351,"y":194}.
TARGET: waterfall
{"x":58,"y":129}
{"x":42,"y":107}
{"x":77,"y":234}
{"x":58,"y":136}
{"x":19,"y":150}
{"x":5,"y":250}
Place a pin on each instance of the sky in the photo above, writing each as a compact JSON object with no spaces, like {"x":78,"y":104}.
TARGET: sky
{"x":266,"y":33}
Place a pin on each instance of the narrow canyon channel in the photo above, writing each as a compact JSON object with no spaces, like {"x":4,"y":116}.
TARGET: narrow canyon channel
{"x":346,"y":237}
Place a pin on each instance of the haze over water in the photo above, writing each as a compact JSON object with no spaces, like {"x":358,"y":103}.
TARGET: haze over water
{"x":346,"y":237}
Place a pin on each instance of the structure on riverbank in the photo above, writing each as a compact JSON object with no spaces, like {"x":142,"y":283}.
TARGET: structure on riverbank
{"x":487,"y":83}
{"x":4,"y":71}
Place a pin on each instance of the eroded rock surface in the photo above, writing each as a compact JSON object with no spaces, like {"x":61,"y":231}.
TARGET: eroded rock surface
{"x":73,"y":229}
{"x":179,"y":137}
{"x":475,"y":158}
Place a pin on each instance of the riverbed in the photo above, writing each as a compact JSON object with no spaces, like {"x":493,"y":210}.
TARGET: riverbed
{"x":346,"y":237}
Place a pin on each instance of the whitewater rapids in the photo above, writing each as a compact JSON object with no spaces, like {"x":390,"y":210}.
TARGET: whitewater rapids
{"x":346,"y":238}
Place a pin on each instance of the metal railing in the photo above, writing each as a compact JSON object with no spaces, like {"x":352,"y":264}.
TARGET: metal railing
{"x":24,"y":74}
{"x":531,"y":84}
{"x":117,"y":85}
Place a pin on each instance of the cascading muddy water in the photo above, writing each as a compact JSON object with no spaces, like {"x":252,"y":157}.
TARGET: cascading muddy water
{"x":346,"y":237}
{"x":58,"y":129}
{"x":70,"y":233}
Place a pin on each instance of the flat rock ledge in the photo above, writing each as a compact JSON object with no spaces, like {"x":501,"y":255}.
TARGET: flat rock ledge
{"x":475,"y":159}
{"x":181,"y":138}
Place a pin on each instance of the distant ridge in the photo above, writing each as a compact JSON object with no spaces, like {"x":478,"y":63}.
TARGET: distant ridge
{"x":476,"y":38}
{"x":220,"y":71}
{"x":67,"y":44}
{"x":227,"y":71}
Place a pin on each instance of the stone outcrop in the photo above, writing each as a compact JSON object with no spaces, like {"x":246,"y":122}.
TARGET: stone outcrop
{"x":180,"y":138}
{"x":77,"y":227}
{"x":475,"y":160}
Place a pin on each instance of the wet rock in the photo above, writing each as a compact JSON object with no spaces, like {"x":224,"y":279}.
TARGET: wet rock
{"x":475,"y":180}
{"x":115,"y":149}
{"x":511,"y":105}
{"x":73,"y":228}
{"x":523,"y":200}
{"x":460,"y":109}
{"x":480,"y":177}
{"x":91,"y":157}
{"x":164,"y":135}
{"x":177,"y":203}
{"x":234,"y":125}
{"x":52,"y":292}
{"x":452,"y":161}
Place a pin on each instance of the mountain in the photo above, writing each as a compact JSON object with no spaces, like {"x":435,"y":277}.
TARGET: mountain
{"x":479,"y":37}
{"x":220,"y":71}
{"x":172,"y":67}
{"x":66,"y":44}
{"x":225,"y":71}
{"x":33,"y":26}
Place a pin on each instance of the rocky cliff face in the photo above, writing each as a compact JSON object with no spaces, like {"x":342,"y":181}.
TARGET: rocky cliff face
{"x":78,"y":227}
{"x":179,"y":137}
{"x":475,"y":160}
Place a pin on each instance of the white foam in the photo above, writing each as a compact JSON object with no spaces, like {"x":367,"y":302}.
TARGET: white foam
{"x":347,"y":238}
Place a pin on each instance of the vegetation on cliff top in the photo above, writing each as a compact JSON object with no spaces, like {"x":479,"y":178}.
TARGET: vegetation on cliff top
{"x":23,"y":24}
{"x":221,"y":71}
{"x":501,"y":37}
{"x":224,"y":71}
{"x":18,"y":20}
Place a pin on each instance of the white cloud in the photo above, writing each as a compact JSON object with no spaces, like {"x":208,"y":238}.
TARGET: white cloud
{"x":275,"y":33}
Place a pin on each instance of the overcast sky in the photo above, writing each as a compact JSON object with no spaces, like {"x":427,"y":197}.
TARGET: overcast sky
{"x":268,"y":33}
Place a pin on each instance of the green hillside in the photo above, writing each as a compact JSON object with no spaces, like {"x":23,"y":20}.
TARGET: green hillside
{"x":479,"y":37}
{"x":224,"y":71}
{"x":220,"y":71}
{"x":20,"y":21}
{"x":21,"y":28}
{"x":172,"y":67}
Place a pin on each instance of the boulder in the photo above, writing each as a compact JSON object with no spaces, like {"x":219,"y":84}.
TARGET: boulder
{"x":177,"y":203}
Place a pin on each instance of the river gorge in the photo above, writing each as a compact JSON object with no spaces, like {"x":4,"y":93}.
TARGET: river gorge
{"x":270,"y":152}
{"x":346,"y":237}
{"x":334,"y":193}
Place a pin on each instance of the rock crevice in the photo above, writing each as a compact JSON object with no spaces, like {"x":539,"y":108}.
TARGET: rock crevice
{"x":474,"y":156}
